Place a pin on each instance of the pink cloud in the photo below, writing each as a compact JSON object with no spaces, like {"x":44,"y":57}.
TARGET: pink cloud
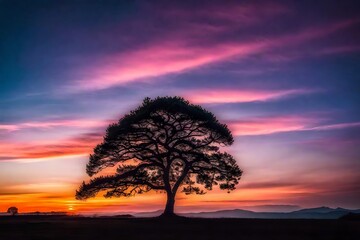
{"x":174,"y":54}
{"x":165,"y":58}
{"x":270,"y":125}
{"x":236,"y":96}
{"x":336,"y":126}
{"x":83,"y":144}
{"x":78,"y":123}
{"x":80,"y":145}
{"x":55,"y":145}
{"x":8,"y":127}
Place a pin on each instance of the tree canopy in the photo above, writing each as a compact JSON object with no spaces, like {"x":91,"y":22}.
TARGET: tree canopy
{"x":163,"y":144}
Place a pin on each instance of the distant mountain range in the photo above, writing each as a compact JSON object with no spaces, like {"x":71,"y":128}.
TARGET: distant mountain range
{"x":309,"y":213}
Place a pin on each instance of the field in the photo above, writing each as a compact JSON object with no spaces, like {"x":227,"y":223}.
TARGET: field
{"x":152,"y":228}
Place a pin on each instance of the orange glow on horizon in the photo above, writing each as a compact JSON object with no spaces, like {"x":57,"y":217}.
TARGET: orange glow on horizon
{"x":216,"y":199}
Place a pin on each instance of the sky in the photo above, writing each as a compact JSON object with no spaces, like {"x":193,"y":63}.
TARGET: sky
{"x":283,"y":75}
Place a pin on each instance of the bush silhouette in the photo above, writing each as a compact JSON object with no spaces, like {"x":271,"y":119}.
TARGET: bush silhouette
{"x":12,"y":210}
{"x":162,"y":145}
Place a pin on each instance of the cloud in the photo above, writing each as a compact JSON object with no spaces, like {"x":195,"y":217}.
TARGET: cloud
{"x":79,"y":145}
{"x":270,"y":184}
{"x":238,"y":96}
{"x":78,"y":123}
{"x":83,"y":144}
{"x":18,"y":193}
{"x":336,"y":126}
{"x":8,"y":127}
{"x":279,"y":124}
{"x":235,"y":201}
{"x":269,"y":125}
{"x":163,"y":58}
{"x":194,"y":44}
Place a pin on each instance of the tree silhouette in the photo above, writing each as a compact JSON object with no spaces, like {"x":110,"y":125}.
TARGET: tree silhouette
{"x":163,"y":144}
{"x":12,"y":210}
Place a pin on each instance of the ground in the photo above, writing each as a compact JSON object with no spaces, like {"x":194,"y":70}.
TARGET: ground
{"x":41,"y":228}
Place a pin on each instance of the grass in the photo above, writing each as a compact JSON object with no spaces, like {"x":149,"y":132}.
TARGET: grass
{"x":41,"y":228}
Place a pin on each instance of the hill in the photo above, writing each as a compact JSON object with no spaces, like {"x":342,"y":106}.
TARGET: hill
{"x":309,"y":213}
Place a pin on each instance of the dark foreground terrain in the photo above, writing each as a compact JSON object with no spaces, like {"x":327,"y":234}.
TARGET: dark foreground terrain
{"x":54,"y":227}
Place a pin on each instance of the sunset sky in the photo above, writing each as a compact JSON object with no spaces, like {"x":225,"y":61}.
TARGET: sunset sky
{"x":284,"y":76}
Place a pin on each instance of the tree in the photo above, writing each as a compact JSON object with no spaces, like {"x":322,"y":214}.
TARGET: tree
{"x":12,"y":210}
{"x":162,"y":145}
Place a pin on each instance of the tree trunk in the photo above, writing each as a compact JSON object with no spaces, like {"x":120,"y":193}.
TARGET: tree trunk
{"x":169,"y":208}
